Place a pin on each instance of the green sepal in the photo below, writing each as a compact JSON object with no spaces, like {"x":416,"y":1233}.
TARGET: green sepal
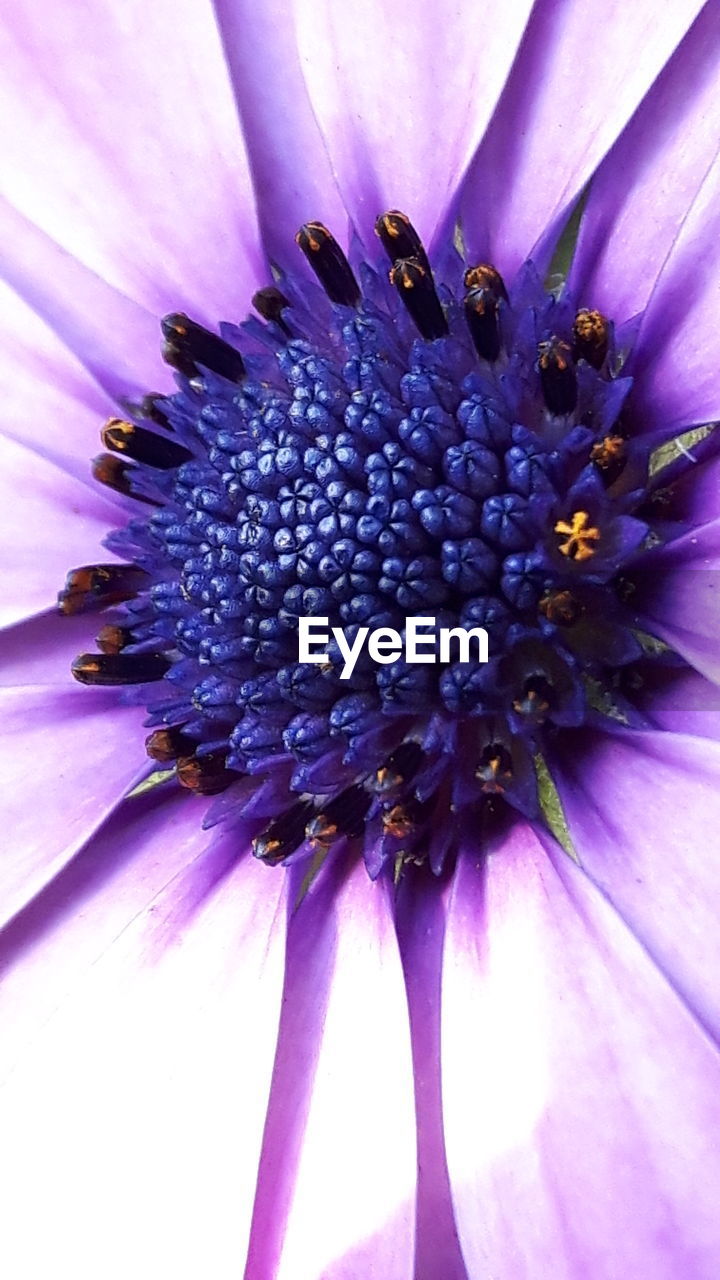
{"x":153,"y":780}
{"x":680,"y":446}
{"x":552,"y":809}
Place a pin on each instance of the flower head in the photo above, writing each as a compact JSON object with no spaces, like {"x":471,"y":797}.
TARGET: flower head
{"x":497,"y":1051}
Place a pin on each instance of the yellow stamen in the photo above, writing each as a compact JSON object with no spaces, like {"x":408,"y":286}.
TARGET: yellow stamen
{"x":580,"y":535}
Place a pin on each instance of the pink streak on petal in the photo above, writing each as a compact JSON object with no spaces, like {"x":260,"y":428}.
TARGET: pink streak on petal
{"x":132,"y":1124}
{"x":403,"y":94}
{"x":49,"y":523}
{"x":292,"y":174}
{"x":643,"y":190}
{"x":644,"y":811}
{"x":577,"y":81}
{"x":581,"y":1099}
{"x":123,"y":145}
{"x":339,"y":1150}
{"x":67,"y":756}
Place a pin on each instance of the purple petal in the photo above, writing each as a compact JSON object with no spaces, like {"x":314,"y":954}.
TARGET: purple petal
{"x":678,"y":349}
{"x":581,"y":1099}
{"x":291,"y":169}
{"x":576,"y":83}
{"x":696,"y":495}
{"x":338,"y":1162}
{"x":67,"y":756}
{"x":49,"y":523}
{"x":682,"y":702}
{"x":421,"y":930}
{"x":642,"y":192}
{"x":133,"y":1121}
{"x":125,"y":148}
{"x":40,"y":650}
{"x":50,"y":402}
{"x":403,"y":94}
{"x":47,"y":949}
{"x":113,"y":338}
{"x":678,"y":596}
{"x":644,"y":811}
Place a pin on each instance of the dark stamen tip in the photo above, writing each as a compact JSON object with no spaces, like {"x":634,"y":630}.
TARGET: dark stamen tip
{"x":329,"y":263}
{"x":416,"y":289}
{"x":270,"y":304}
{"x":321,"y":831}
{"x":113,"y":639}
{"x":283,"y":835}
{"x":119,"y":669}
{"x":484,"y":276}
{"x":142,"y":445}
{"x":343,"y":816}
{"x":150,"y":407}
{"x":557,"y":376}
{"x":166,"y":745}
{"x":399,"y":238}
{"x":481,"y":314}
{"x":117,"y":474}
{"x":399,"y":768}
{"x":205,"y":775}
{"x":96,"y":586}
{"x":188,"y":346}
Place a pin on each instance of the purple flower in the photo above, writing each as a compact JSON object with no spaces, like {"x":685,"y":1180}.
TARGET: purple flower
{"x":497,"y":1053}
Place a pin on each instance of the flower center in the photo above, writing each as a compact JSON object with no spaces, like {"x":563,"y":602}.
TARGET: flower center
{"x":380,"y":448}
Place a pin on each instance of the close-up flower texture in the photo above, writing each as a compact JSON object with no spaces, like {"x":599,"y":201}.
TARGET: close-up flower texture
{"x":317,"y":967}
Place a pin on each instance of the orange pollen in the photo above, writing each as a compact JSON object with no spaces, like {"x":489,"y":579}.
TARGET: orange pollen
{"x":397,"y":822}
{"x":554,"y":355}
{"x":401,"y":272}
{"x":483,"y":277}
{"x":579,"y":536}
{"x":321,"y":832}
{"x":391,"y":227}
{"x":537,"y":705}
{"x":607,"y":450}
{"x":493,"y":784}
{"x":117,"y":433}
{"x":591,"y":326}
{"x":387,"y":780}
{"x":559,"y":606}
